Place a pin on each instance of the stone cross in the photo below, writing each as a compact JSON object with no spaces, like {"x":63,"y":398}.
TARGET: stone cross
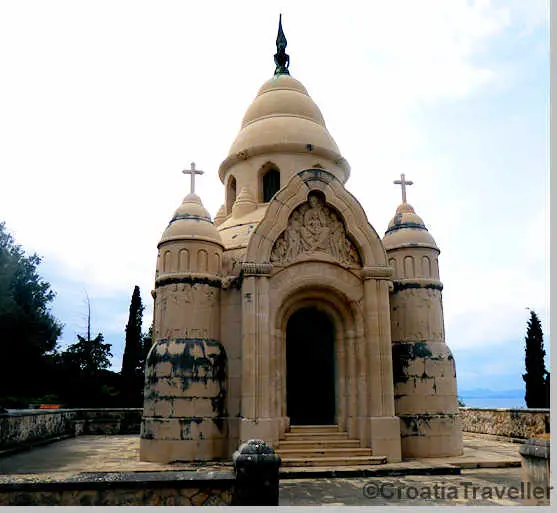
{"x":403,"y":183}
{"x":192,"y":172}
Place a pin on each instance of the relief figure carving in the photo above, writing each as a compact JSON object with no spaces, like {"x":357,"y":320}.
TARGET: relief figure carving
{"x":314,"y":227}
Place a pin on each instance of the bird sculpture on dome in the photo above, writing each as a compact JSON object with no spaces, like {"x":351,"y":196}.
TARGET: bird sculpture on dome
{"x":282,"y":59}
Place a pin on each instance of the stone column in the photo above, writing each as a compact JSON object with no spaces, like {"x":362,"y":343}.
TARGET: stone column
{"x":340,"y":353}
{"x":350,"y":384}
{"x":257,"y":415}
{"x":385,"y":349}
{"x":249,"y":376}
{"x":383,"y":427}
{"x":360,"y":346}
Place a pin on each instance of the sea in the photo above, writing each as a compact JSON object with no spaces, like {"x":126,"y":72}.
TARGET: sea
{"x":493,"y":402}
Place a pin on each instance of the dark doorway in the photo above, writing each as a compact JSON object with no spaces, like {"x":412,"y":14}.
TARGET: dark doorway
{"x":310,"y":368}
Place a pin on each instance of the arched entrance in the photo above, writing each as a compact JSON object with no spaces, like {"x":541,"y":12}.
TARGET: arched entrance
{"x":310,"y":368}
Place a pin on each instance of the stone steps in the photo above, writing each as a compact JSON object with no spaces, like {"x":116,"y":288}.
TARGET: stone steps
{"x":304,"y":452}
{"x":323,"y":447}
{"x":315,"y":429}
{"x":308,"y":435}
{"x":334,"y":461}
{"x":319,"y":444}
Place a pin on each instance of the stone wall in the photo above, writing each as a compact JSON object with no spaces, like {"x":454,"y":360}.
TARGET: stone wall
{"x":25,"y":428}
{"x":170,"y":488}
{"x":28,"y":427}
{"x":105,"y":421}
{"x":513,"y":423}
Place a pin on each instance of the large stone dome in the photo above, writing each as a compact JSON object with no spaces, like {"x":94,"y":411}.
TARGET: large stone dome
{"x":283,"y":117}
{"x":286,"y":96}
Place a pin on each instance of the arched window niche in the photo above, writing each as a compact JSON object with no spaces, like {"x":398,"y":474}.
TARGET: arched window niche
{"x":230,"y":194}
{"x":270,"y":182}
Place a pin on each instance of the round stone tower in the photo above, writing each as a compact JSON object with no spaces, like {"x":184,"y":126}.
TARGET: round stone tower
{"x":423,"y":366}
{"x":184,"y":402}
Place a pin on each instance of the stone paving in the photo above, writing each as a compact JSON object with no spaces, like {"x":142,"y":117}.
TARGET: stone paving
{"x":501,"y":486}
{"x":98,"y":453}
{"x":119,"y":453}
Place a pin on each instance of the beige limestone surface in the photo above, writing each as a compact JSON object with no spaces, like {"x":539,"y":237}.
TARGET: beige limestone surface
{"x":238,"y":282}
{"x":96,"y":453}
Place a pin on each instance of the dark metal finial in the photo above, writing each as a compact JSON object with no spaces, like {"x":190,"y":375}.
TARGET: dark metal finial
{"x":282,"y":59}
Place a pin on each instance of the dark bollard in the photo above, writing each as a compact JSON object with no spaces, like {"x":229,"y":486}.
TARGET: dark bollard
{"x":257,"y":474}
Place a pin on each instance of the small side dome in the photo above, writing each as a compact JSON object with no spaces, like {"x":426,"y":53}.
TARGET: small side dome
{"x":407,"y":229}
{"x":191,"y":221}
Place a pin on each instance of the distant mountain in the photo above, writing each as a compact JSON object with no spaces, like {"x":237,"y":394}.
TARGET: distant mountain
{"x":488,"y":393}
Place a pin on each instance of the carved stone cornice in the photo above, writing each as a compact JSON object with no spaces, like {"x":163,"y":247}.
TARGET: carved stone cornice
{"x":376,"y":272}
{"x":256,"y":269}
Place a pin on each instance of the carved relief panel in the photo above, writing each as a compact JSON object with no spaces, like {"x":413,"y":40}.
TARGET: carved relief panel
{"x":187,"y":310}
{"x":314,"y":228}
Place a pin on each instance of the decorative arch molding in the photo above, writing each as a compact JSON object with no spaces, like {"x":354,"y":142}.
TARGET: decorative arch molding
{"x":294,"y":194}
{"x":339,"y":293}
{"x":310,"y":279}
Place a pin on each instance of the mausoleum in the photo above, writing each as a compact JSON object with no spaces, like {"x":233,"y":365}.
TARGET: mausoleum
{"x":288,"y":313}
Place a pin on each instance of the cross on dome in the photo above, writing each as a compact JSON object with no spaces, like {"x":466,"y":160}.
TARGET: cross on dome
{"x":192,"y":172}
{"x":403,"y":183}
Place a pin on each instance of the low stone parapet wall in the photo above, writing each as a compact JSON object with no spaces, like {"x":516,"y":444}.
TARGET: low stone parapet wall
{"x":170,"y":488}
{"x":24,"y":428}
{"x":105,"y":421}
{"x":27,"y":428}
{"x":508,"y":422}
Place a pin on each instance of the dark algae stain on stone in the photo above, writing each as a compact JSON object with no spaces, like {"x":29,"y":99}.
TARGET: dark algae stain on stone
{"x":397,"y":286}
{"x":416,"y":425}
{"x":190,"y":360}
{"x":403,"y":354}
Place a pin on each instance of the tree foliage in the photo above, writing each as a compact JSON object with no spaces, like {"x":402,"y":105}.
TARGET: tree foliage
{"x":133,"y":361}
{"x":536,"y":377}
{"x":89,"y":355}
{"x":28,"y":330}
{"x":133,"y":350}
{"x":84,"y":367}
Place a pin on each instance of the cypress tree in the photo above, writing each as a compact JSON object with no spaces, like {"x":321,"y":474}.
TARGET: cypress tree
{"x":132,"y":370}
{"x":535,"y":377}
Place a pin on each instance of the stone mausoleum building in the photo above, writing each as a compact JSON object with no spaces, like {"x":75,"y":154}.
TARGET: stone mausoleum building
{"x":288,"y":318}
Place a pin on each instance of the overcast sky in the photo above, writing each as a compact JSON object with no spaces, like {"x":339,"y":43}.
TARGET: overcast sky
{"x":103,"y":103}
